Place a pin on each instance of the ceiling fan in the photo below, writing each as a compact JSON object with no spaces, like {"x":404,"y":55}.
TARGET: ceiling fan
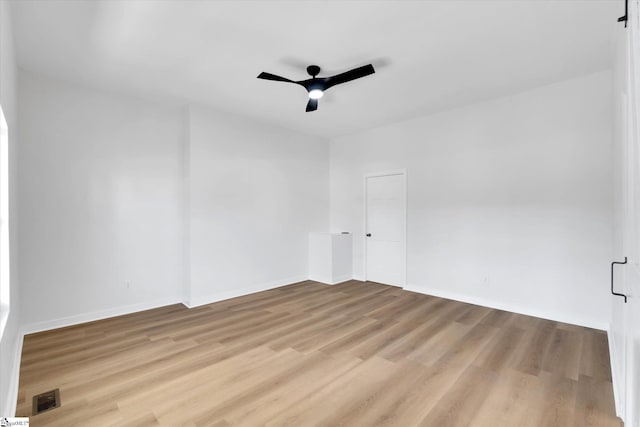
{"x":316,"y":86}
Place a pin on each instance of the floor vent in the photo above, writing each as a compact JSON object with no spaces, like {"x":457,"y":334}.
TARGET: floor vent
{"x":46,"y":401}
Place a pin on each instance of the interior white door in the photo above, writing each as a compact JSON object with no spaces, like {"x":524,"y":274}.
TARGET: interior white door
{"x":625,"y":325}
{"x":630,"y":282}
{"x":632,"y":230}
{"x":385,"y":225}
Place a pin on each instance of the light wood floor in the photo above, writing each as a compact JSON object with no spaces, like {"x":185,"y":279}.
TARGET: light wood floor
{"x":354,"y":354}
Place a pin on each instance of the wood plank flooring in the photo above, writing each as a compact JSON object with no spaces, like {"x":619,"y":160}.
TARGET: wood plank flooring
{"x":308,"y":354}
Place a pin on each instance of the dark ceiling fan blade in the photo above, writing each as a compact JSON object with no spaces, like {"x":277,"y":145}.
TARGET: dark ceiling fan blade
{"x":347,"y":76}
{"x":312,"y":105}
{"x":269,"y":76}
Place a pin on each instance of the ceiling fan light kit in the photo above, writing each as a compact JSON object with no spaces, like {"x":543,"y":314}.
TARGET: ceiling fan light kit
{"x":316,"y":93}
{"x":316,"y":86}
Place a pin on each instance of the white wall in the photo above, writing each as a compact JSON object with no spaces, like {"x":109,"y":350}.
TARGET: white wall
{"x":509,"y":201}
{"x":127,"y":204}
{"x":9,"y":343}
{"x":255,"y":192}
{"x":100,"y":190}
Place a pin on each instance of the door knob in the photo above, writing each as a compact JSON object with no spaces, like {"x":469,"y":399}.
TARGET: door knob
{"x":368,"y":234}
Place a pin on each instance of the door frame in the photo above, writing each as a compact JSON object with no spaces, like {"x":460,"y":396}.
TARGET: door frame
{"x":403,"y":173}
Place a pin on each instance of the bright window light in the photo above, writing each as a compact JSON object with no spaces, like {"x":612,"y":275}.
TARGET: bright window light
{"x":4,"y":222}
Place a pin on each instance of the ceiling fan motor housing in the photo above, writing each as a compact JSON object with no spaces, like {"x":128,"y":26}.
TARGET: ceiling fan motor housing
{"x":313,"y":70}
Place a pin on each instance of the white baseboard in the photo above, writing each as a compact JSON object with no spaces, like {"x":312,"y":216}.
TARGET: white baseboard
{"x":357,"y":277}
{"x":234,"y":293}
{"x":334,"y":281}
{"x":96,"y":315}
{"x":341,"y":279}
{"x":527,"y":311}
{"x":321,"y":279}
{"x":617,"y":392}
{"x":14,"y":380}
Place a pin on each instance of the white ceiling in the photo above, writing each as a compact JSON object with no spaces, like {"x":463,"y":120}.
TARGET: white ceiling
{"x":429,"y":55}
